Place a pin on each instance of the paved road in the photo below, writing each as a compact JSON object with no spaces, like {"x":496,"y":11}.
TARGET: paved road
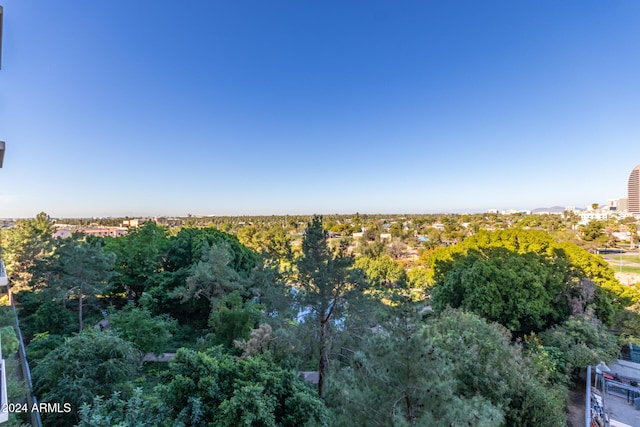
{"x":164,"y":357}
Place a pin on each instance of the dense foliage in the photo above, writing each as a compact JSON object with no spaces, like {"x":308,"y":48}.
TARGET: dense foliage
{"x":147,"y":333}
{"x":137,"y":411}
{"x":242,"y":315}
{"x":579,"y":342}
{"x":213,"y":388}
{"x":558,"y":264}
{"x":85,"y":365}
{"x":452,"y":369}
{"x":326,"y":284}
{"x":524,"y":292}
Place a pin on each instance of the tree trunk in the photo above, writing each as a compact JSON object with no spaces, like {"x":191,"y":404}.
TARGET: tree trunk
{"x":323,"y":365}
{"x":409,"y":407}
{"x":80,"y":307}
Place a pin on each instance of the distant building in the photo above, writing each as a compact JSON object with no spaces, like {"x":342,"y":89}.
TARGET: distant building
{"x":633,"y":200}
{"x":621,"y":235}
{"x":514,"y":211}
{"x":594,"y":215}
{"x":131,"y":223}
{"x":623,"y":204}
{"x":64,"y":233}
{"x":602,"y":214}
{"x":554,"y":210}
{"x":104,"y":231}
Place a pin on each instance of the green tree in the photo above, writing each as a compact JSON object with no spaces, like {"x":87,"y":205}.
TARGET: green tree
{"x":269,"y":286}
{"x":451,"y":369}
{"x":190,"y":278}
{"x":371,"y":248}
{"x":325,"y":281}
{"x":52,"y":317}
{"x":115,"y":411}
{"x":41,"y":345}
{"x":609,"y":296}
{"x":9,"y":341}
{"x":593,"y":231}
{"x":399,"y":377}
{"x":186,"y":248}
{"x":453,"y":231}
{"x":148,"y":333}
{"x":434,"y":237}
{"x":396,"y":230}
{"x":272,"y":241}
{"x":371,"y":233}
{"x":233,"y":319}
{"x":85,"y":271}
{"x":139,"y":258}
{"x":212,"y":277}
{"x":580,"y":341}
{"x":23,"y":245}
{"x":382,"y":271}
{"x":74,"y":273}
{"x":86,"y":365}
{"x":214,"y":388}
{"x":523,"y":292}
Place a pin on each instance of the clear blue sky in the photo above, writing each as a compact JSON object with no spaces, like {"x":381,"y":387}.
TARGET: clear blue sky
{"x":113,"y":108}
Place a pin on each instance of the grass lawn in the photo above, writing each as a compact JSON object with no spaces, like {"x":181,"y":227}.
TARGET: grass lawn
{"x":625,"y":257}
{"x":631,"y":262}
{"x":627,"y":269}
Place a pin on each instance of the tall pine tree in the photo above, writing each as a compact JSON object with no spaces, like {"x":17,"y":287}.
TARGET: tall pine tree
{"x":326,"y":280}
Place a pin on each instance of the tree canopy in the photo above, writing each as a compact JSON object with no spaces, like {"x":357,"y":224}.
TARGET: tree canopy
{"x":146,"y":332}
{"x":452,"y":369}
{"x":578,"y":264}
{"x":213,"y":388}
{"x":83,"y":366}
{"x":326,"y":280}
{"x":524,"y":292}
{"x":25,"y":244}
{"x":254,"y":310}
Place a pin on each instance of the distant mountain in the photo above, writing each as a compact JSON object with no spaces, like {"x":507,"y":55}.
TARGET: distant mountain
{"x":553,"y":209}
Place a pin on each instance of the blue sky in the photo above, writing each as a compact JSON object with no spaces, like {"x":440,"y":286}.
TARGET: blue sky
{"x":271,"y":107}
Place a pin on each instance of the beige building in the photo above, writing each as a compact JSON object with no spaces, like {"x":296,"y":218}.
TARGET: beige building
{"x":623,"y":204}
{"x":64,"y":233}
